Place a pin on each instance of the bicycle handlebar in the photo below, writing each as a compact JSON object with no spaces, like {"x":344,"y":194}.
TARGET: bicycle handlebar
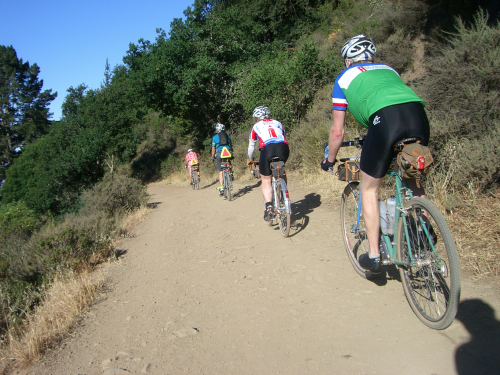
{"x":358,"y":142}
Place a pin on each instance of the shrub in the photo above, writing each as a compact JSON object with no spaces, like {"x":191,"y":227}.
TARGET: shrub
{"x":462,"y":94}
{"x":170,"y":165}
{"x":115,"y":195}
{"x":286,"y":82}
{"x":397,"y":51}
{"x":15,"y":217}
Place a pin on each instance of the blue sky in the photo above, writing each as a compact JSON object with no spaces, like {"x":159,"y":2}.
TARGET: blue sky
{"x":70,"y":40}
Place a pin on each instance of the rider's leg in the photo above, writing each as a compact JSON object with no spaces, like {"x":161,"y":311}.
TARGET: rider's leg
{"x":417,"y":191}
{"x":220,"y":178}
{"x":267,"y":191}
{"x":370,"y":210}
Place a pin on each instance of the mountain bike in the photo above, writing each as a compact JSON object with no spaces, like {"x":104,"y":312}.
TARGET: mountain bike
{"x":282,"y":207}
{"x":416,"y":238}
{"x":195,"y":179}
{"x":227,"y":177}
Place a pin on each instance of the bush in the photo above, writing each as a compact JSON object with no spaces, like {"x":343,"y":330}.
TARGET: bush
{"x":170,"y":165}
{"x":462,"y":95}
{"x":114,"y":196}
{"x":285,"y":82}
{"x":15,"y":217}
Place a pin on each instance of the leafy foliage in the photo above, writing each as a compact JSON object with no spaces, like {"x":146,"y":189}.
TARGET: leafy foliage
{"x":97,"y":125}
{"x":462,"y":92}
{"x":24,"y":113}
{"x":286,"y":82}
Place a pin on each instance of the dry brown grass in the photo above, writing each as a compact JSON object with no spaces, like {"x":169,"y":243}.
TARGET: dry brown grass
{"x":477,"y":234}
{"x":132,"y":220}
{"x":63,"y":302}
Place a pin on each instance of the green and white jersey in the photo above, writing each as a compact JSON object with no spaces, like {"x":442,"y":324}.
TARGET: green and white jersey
{"x":365,"y":88}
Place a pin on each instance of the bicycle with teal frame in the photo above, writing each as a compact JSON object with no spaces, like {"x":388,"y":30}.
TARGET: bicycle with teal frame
{"x":421,"y":246}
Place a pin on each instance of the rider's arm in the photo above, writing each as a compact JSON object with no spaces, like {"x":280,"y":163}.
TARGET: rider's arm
{"x":336,"y":134}
{"x":213,"y":152}
{"x":251,"y":148}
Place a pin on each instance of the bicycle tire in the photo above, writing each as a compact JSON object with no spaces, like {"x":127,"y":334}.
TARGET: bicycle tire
{"x":193,"y":183}
{"x":283,"y":216}
{"x":355,"y":243}
{"x":227,"y":186}
{"x":432,"y":289}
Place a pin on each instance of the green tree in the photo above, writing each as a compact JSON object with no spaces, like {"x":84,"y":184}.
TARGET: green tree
{"x":97,"y":125}
{"x":24,"y":112}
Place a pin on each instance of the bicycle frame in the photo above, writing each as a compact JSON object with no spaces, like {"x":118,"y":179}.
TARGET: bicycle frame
{"x":226,"y":165}
{"x":403,"y":193}
{"x":277,"y":168}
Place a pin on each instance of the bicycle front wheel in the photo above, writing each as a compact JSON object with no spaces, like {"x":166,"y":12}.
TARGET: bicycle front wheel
{"x":283,"y":215}
{"x":353,"y":229}
{"x":227,"y":186}
{"x":432,"y":281}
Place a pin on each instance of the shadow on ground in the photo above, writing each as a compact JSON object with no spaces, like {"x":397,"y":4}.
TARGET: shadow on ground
{"x":481,"y":354}
{"x":207,"y":186}
{"x":247,"y":189}
{"x":300,"y":211}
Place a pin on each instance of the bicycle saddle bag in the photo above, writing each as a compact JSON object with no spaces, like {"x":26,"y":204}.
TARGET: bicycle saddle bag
{"x":348,"y":170}
{"x":414,"y":161}
{"x":277,"y":167}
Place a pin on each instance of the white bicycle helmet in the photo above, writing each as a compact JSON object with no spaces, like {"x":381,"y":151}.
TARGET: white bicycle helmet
{"x":190,"y":150}
{"x":358,"y":45}
{"x":220,"y":127}
{"x":261,"y":112}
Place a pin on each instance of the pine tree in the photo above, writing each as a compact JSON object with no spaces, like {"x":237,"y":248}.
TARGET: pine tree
{"x":24,"y":112}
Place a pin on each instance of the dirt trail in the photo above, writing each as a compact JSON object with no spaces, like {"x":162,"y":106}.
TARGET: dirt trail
{"x":206,"y":287}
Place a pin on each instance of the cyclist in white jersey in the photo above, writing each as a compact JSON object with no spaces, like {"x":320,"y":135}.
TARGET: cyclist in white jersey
{"x":272,"y":143}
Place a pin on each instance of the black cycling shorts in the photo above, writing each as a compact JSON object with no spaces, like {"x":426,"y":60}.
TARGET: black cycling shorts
{"x":388,"y":126}
{"x":274,"y":150}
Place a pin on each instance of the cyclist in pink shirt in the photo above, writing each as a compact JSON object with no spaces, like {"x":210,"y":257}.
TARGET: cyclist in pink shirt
{"x":190,"y":157}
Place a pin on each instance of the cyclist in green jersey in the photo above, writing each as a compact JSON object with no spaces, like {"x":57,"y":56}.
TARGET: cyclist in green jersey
{"x":379,"y":100}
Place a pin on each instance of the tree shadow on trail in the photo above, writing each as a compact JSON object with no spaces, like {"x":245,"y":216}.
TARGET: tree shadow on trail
{"x":481,"y":354}
{"x":300,"y":211}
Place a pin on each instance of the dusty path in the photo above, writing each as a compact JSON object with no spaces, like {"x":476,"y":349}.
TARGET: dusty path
{"x":206,"y":287}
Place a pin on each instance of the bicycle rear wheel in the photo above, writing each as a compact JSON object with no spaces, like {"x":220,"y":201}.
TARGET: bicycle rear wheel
{"x":355,"y":239}
{"x":432,"y":283}
{"x":227,"y":186}
{"x":283,"y":216}
{"x":193,"y":180}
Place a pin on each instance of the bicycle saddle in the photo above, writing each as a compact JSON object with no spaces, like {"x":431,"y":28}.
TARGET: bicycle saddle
{"x":274,"y":158}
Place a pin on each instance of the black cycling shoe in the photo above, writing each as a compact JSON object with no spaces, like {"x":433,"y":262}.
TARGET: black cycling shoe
{"x":268,"y":213}
{"x":372,"y":265}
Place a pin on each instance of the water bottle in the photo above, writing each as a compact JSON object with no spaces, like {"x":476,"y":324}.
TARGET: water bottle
{"x":326,"y":151}
{"x":391,"y":214}
{"x":383,"y":216}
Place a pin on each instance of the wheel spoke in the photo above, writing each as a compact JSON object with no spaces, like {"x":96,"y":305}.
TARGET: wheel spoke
{"x":432,"y":283}
{"x":354,"y":233}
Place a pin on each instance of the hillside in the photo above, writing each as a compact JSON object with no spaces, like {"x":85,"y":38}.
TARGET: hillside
{"x":69,"y":193}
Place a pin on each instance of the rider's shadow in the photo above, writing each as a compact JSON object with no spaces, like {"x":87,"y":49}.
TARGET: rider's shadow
{"x":212,"y":184}
{"x":388,"y":273}
{"x":300,"y":211}
{"x":481,"y":354}
{"x":247,"y":189}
